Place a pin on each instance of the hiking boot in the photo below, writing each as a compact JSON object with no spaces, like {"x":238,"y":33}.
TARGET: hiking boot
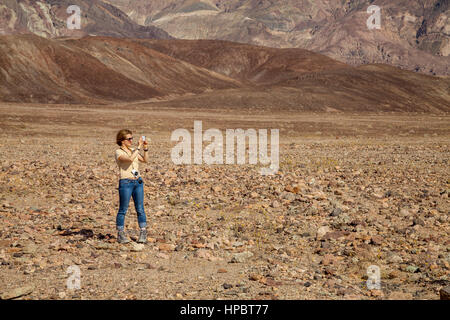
{"x":122,"y":238}
{"x":143,"y":236}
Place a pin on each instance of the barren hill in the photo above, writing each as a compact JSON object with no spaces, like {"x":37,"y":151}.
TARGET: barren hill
{"x":302,"y":80}
{"x":250,"y":63}
{"x":206,"y":73}
{"x":94,"y":70}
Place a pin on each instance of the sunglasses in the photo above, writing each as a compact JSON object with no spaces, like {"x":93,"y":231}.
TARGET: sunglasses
{"x":129,"y":139}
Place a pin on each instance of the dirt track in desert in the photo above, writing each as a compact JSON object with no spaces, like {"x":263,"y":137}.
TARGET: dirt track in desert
{"x":354,"y":190}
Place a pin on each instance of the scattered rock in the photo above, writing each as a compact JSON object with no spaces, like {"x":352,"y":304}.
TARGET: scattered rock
{"x":376,"y":293}
{"x":30,"y":248}
{"x":412,"y":269}
{"x":206,"y":254}
{"x":398,"y":295}
{"x":445,"y":293}
{"x":241,"y":257}
{"x":394,"y":258}
{"x":202,"y":253}
{"x":275,"y":204}
{"x":330,"y":271}
{"x":137,"y":247}
{"x":335,"y":235}
{"x":227,"y":286}
{"x":257,"y":277}
{"x":162,"y":255}
{"x":166,"y":247}
{"x":336,"y":212}
{"x":17,"y":292}
{"x":328,"y":259}
{"x":322,"y":231}
{"x":238,"y":244}
{"x":104,"y":246}
{"x":405,"y":212}
{"x":151,"y":240}
{"x":376,"y":240}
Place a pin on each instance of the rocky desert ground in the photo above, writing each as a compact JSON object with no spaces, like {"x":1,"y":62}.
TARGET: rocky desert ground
{"x":354,"y":190}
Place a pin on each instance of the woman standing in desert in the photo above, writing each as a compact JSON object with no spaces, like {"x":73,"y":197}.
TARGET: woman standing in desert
{"x":130,"y":183}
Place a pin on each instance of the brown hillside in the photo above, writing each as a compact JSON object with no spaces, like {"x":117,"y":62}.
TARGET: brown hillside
{"x":255,"y":64}
{"x":34,"y":69}
{"x":209,"y":74}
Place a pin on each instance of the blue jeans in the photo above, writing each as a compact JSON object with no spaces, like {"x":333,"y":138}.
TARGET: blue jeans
{"x":128,"y":188}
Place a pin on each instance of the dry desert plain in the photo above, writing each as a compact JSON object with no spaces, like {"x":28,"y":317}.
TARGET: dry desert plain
{"x":354,"y":190}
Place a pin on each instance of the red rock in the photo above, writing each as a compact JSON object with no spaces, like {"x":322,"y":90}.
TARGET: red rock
{"x":166,"y":247}
{"x":257,"y":277}
{"x":327,"y":260}
{"x":377,"y":240}
{"x":335,"y":235}
{"x":445,"y":293}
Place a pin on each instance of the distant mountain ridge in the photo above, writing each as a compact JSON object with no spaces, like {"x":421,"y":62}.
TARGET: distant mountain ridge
{"x":48,"y":18}
{"x":414,"y":34}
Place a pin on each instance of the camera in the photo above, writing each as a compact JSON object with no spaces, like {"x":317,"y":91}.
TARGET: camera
{"x":135,"y":172}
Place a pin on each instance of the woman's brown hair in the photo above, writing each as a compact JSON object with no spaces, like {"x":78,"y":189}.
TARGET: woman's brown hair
{"x":121,"y":136}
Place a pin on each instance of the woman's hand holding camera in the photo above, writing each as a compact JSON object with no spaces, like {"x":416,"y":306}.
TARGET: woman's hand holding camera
{"x":141,"y":143}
